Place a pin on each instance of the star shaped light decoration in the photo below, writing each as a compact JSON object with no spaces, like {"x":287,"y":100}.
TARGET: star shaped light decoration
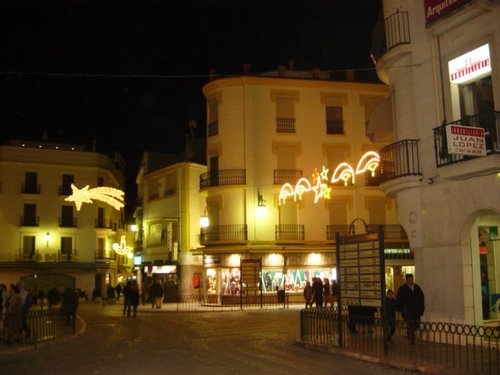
{"x":113,"y":197}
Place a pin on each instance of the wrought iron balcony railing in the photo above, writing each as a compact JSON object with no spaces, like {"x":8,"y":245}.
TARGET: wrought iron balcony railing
{"x":399,"y":159}
{"x":103,"y":223}
{"x":223,"y":177}
{"x":390,"y":32}
{"x":391,"y":231}
{"x":282,"y":176}
{"x":68,"y":222}
{"x":332,"y":230}
{"x":30,"y":188}
{"x":289,"y":232}
{"x":30,"y":221}
{"x":224,"y":233}
{"x":489,"y":121}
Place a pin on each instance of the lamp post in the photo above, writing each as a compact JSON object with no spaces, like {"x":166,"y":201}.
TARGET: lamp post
{"x":261,"y":206}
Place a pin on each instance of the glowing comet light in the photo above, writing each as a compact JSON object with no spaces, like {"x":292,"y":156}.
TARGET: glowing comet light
{"x":369,"y":161}
{"x":301,"y":187}
{"x":343,"y":172}
{"x":109,"y":195}
{"x":122,"y":248}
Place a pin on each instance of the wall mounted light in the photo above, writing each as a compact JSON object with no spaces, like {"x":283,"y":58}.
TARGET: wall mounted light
{"x":204,"y":222}
{"x":47,"y":238}
{"x":261,"y":205}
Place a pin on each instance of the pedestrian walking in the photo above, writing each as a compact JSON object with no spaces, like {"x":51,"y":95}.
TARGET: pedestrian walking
{"x":126,"y":298}
{"x":134,"y":298}
{"x":390,"y":307}
{"x":157,"y":294}
{"x":317,"y":287}
{"x":308,"y":295}
{"x":411,"y":304}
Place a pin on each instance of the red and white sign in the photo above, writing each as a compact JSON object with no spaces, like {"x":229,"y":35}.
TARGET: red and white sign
{"x":435,"y":9}
{"x":470,"y":66}
{"x":465,"y":140}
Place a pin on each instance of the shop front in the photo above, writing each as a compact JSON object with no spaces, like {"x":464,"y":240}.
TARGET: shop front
{"x":277,"y":273}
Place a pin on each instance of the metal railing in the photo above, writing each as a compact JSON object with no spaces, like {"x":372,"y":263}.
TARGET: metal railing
{"x":71,"y":222}
{"x":223,"y":177}
{"x":224,"y":233}
{"x":42,"y":325}
{"x":391,"y":231}
{"x":30,"y":188}
{"x":284,"y":232}
{"x":282,"y":176}
{"x":447,"y":346}
{"x":332,"y":230}
{"x":285,"y":125}
{"x":30,"y":221}
{"x":399,"y":159}
{"x":390,"y":32}
{"x":489,"y":121}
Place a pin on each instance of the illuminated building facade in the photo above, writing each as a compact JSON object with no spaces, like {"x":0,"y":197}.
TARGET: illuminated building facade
{"x":442,"y":64}
{"x":46,"y":241}
{"x":288,"y":128}
{"x":168,"y":219}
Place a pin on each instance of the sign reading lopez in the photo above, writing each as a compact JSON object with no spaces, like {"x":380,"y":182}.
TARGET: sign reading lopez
{"x":465,"y":140}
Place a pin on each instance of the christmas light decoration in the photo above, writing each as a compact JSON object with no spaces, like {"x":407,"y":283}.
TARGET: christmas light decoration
{"x":370,"y":161}
{"x":122,"y":248}
{"x":109,"y":195}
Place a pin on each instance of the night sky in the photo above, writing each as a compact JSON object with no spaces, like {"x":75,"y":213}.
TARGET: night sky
{"x":129,"y":73}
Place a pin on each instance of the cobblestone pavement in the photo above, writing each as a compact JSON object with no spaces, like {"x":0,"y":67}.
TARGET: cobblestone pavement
{"x":169,"y":342}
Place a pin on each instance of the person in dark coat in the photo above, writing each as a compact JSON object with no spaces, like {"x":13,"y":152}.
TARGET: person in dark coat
{"x":317,"y":287}
{"x":157,"y":294}
{"x":134,"y":298}
{"x":411,"y":304}
{"x":390,"y":308}
{"x":126,"y":298}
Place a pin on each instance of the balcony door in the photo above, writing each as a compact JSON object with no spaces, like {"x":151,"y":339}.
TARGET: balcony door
{"x":28,"y":247}
{"x":214,"y":171}
{"x":66,"y":248}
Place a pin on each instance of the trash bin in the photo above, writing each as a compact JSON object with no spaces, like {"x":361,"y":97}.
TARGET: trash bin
{"x":281,"y":296}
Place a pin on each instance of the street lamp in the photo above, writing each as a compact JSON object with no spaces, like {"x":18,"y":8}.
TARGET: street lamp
{"x":261,"y":206}
{"x":47,"y":238}
{"x":204,"y":222}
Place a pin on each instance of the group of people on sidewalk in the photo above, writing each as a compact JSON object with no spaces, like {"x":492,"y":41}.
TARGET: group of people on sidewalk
{"x":409,"y":302}
{"x":15,"y":303}
{"x":131,"y":296}
{"x":320,"y":292}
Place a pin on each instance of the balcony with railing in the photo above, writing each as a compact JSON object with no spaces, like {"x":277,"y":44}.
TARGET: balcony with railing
{"x":29,"y":221}
{"x":223,"y":177}
{"x":333,"y":229}
{"x":285,"y":125}
{"x":399,"y":165}
{"x":30,"y":188}
{"x":282,"y":176}
{"x":70,"y":222}
{"x":289,"y":232}
{"x":101,"y":223}
{"x":389,"y":33}
{"x":233,"y":233}
{"x":392,"y":232}
{"x":489,"y":121}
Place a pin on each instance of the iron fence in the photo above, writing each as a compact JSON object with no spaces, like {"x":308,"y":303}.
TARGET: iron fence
{"x":42,"y":325}
{"x":456,"y":348}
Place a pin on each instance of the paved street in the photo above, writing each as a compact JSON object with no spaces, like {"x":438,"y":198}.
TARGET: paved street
{"x":166,"y":342}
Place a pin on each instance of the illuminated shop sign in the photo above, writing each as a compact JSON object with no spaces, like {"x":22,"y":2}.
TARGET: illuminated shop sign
{"x":473,"y":64}
{"x":109,"y":195}
{"x":164,"y":269}
{"x":435,"y":9}
{"x":343,"y":172}
{"x":465,"y":140}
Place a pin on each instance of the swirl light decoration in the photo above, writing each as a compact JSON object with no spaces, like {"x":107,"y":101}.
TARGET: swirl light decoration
{"x":285,"y":192}
{"x":369,"y":161}
{"x":109,"y":195}
{"x":343,"y":172}
{"x":122,"y":248}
